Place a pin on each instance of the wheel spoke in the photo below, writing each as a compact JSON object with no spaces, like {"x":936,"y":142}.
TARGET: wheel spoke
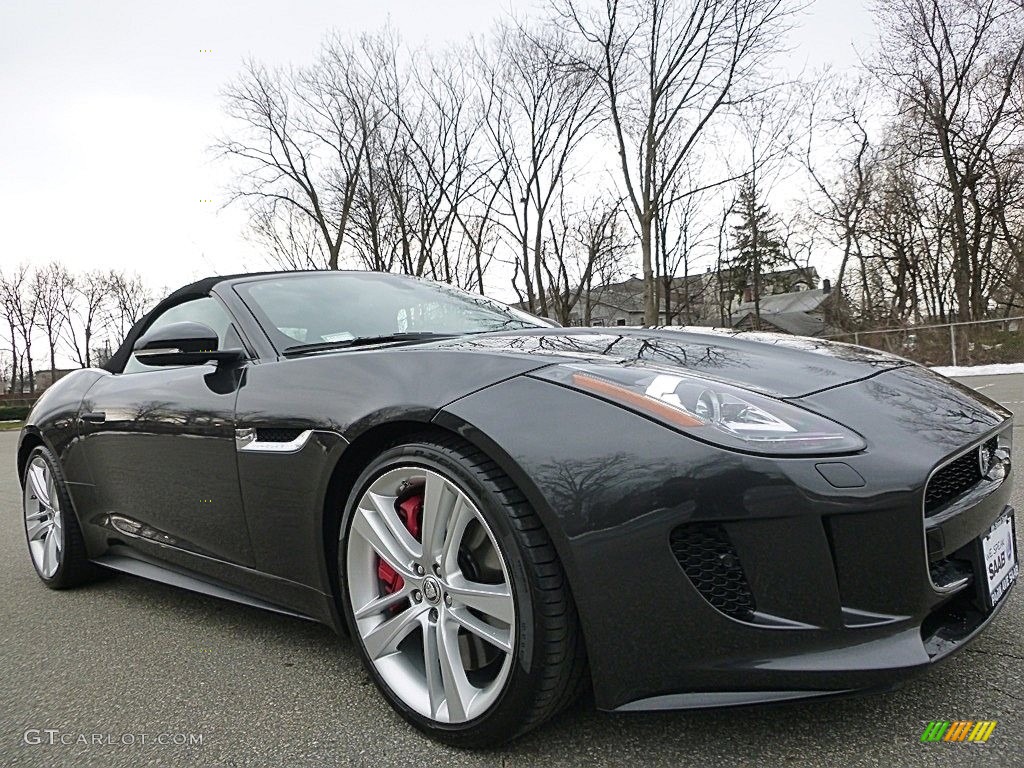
{"x":493,"y":600}
{"x":385,"y":637}
{"x":49,"y":556}
{"x":394,"y":546}
{"x":499,"y":638}
{"x":384,"y":507}
{"x":37,"y":478}
{"x":461,"y":516}
{"x":51,"y":492}
{"x":458,"y":693}
{"x":38,"y":529}
{"x":432,"y":666}
{"x":379,"y":604}
{"x":439,"y":501}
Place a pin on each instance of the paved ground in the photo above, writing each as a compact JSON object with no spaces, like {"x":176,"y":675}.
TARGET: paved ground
{"x":127,"y":658}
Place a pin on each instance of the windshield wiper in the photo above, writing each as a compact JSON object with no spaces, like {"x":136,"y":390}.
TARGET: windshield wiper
{"x":359,"y":341}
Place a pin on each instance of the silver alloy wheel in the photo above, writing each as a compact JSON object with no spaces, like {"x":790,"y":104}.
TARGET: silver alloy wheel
{"x":442,"y":641}
{"x":43,"y":524}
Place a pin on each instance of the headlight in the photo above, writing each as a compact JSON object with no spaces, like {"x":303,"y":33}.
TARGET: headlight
{"x":711,"y":411}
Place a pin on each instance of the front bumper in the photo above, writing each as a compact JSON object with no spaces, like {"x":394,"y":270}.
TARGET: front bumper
{"x":843,"y":598}
{"x":853,"y":664}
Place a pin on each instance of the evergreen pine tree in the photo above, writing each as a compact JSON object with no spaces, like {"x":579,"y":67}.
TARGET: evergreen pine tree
{"x":756,"y":244}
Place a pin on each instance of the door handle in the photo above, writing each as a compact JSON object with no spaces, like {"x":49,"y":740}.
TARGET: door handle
{"x":94,"y":417}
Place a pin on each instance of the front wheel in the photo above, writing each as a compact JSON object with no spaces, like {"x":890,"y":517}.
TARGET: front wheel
{"x":455,"y":596}
{"x":51,"y":527}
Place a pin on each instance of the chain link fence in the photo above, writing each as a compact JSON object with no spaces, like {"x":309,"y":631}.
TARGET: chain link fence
{"x":980,"y":342}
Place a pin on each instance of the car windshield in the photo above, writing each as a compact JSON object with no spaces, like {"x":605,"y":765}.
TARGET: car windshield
{"x":340,"y":307}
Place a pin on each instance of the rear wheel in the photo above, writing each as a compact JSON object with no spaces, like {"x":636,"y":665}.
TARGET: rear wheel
{"x":455,"y":596}
{"x":51,"y":528}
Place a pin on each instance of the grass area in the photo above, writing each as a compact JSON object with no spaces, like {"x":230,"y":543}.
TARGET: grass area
{"x":10,"y":426}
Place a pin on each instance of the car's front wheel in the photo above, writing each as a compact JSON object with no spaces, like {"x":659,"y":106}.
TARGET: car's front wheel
{"x":455,"y":596}
{"x":51,"y":528}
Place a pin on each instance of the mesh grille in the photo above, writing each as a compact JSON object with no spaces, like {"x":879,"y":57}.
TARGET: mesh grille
{"x":709,"y":559}
{"x":276,"y":434}
{"x":953,"y":479}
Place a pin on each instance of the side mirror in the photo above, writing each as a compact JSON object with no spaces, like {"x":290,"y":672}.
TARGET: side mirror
{"x":184,"y":343}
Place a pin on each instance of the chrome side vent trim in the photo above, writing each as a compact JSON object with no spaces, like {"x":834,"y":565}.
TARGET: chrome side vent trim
{"x":248,"y":440}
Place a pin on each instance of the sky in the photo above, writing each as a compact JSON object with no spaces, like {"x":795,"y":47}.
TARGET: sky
{"x":109,"y":110}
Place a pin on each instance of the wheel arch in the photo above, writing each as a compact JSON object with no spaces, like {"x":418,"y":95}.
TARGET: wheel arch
{"x":31,"y":438}
{"x":373,"y":441}
{"x":356,"y":456}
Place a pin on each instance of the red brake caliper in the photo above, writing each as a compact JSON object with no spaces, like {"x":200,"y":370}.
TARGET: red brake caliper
{"x":411,"y":513}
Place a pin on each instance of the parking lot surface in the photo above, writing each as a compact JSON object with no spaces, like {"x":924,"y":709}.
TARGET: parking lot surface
{"x":127,"y":664}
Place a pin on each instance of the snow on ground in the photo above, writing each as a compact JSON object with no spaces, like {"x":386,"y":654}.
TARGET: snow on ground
{"x":979,"y":370}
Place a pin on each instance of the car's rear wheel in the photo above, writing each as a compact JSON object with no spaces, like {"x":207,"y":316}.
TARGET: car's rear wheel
{"x":51,"y":528}
{"x":455,"y":596}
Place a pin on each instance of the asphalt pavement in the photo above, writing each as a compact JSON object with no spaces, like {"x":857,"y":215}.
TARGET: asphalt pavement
{"x":131,"y":673}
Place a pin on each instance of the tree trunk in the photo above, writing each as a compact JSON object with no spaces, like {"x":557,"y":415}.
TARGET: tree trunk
{"x":757,"y":291}
{"x":650,"y":287}
{"x":538,"y":257}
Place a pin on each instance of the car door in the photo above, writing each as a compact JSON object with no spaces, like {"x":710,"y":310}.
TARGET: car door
{"x":160,"y":446}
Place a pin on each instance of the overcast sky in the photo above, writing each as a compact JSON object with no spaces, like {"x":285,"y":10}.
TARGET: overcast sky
{"x":108,"y":109}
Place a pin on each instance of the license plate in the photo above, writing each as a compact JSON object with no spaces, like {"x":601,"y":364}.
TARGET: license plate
{"x":999,"y":558}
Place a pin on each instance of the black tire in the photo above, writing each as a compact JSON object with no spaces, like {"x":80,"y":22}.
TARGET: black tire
{"x":550,"y":660}
{"x":74,"y":567}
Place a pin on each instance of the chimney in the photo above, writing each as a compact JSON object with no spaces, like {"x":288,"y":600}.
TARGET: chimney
{"x":826,"y":286}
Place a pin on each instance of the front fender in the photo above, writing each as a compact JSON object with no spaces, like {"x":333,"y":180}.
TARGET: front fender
{"x":53,"y":421}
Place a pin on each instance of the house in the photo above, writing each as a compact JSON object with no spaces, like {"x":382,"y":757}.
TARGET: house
{"x":707,"y":298}
{"x":46,"y":377}
{"x":801,"y":313}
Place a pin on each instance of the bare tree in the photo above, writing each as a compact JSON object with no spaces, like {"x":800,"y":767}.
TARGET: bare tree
{"x":84,"y":311}
{"x":442,"y":131}
{"x":128,"y":301}
{"x":49,"y":286}
{"x":544,"y":108}
{"x":668,"y":68}
{"x":298,"y":141}
{"x":289,"y":237}
{"x":953,"y":66}
{"x":20,"y":309}
{"x":682,"y":229}
{"x":841,"y":171}
{"x":11,"y":287}
{"x":587,"y":243}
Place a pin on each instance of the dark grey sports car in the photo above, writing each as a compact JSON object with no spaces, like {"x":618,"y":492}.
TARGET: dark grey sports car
{"x":501,"y":512}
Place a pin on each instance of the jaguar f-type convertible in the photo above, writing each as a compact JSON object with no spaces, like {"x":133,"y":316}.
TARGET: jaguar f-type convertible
{"x":502,"y":512}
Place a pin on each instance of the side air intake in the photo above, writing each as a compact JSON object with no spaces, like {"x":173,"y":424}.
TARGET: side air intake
{"x":709,"y":560}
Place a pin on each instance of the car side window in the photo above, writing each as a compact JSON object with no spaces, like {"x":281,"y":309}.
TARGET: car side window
{"x":207,"y":311}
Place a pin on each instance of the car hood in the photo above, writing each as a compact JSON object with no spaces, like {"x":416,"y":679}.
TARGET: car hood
{"x":774,"y":364}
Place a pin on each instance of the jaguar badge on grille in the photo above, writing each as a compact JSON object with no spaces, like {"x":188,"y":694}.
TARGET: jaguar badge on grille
{"x":992,"y":461}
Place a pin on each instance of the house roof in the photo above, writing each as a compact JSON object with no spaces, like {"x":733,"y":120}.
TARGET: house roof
{"x":798,"y":301}
{"x":789,"y":312}
{"x":796,"y":323}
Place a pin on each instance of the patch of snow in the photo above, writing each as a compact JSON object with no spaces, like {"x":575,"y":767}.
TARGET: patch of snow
{"x":979,"y":370}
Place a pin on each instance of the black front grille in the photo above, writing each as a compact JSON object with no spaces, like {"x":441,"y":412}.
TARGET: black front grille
{"x":709,"y":559}
{"x":276,"y":434}
{"x":954,"y":479}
